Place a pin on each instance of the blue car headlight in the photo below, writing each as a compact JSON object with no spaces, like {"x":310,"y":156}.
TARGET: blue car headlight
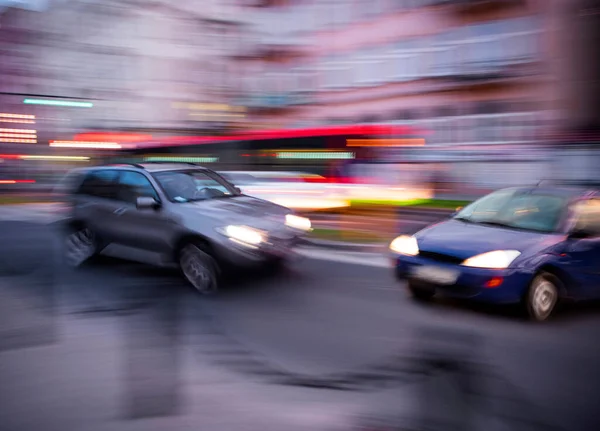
{"x":406,"y":245}
{"x":498,"y":259}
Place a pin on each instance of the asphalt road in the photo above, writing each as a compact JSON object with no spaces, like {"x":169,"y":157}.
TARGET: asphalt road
{"x":118,"y":340}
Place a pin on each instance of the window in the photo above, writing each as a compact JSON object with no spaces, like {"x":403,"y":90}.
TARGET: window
{"x":411,"y":60}
{"x":133,"y":185}
{"x":341,"y":12}
{"x":337,"y":73}
{"x":588,"y":217}
{"x":100,"y":184}
{"x":188,"y":186}
{"x":368,"y":67}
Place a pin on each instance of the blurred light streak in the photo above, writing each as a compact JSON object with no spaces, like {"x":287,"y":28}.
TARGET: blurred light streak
{"x":17,"y":135}
{"x":261,"y":190}
{"x":18,"y":116}
{"x":84,"y":144}
{"x":17,"y":131}
{"x":415,"y":142}
{"x":65,"y":158}
{"x":18,"y":141}
{"x":58,"y":103}
{"x":182,"y":159}
{"x":218,"y":114}
{"x":17,"y":181}
{"x":112,"y":137}
{"x":313,"y":204}
{"x":314,"y":155}
{"x":5,"y":120}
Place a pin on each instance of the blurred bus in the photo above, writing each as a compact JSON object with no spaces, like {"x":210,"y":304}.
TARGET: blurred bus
{"x":347,"y":162}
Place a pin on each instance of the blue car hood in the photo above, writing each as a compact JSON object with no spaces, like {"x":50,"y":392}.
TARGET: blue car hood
{"x":463,"y":240}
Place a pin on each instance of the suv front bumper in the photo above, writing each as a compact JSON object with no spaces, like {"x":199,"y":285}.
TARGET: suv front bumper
{"x":242,"y":255}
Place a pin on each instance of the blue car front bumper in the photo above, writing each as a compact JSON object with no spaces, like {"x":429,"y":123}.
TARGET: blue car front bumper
{"x":497,"y":286}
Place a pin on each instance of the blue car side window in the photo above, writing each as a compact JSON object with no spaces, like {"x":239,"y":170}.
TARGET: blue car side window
{"x":588,"y":217}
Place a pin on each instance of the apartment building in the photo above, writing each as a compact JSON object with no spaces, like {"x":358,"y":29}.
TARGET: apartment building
{"x":142,"y":65}
{"x":471,"y":72}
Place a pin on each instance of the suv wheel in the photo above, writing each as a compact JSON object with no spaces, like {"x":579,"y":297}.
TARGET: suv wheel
{"x":542,"y":296}
{"x":199,"y":268}
{"x":81,"y":244}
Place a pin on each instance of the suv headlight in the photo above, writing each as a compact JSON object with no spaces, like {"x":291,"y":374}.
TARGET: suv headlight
{"x":297,"y":222}
{"x":499,"y":259}
{"x":243,"y":234}
{"x":405,"y":245}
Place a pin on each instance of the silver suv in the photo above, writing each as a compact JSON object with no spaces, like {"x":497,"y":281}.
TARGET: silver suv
{"x":188,"y":214}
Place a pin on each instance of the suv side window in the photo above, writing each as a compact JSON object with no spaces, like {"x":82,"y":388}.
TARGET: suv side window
{"x":100,"y":184}
{"x":588,"y":216}
{"x":133,"y":185}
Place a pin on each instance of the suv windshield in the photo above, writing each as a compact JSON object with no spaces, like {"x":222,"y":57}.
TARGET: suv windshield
{"x":188,"y":186}
{"x":516,"y":209}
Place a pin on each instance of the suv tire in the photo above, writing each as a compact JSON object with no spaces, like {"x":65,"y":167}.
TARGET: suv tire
{"x":81,"y":244}
{"x":199,"y":268}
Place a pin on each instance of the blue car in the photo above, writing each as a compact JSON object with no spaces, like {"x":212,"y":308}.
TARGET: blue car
{"x":534,"y":246}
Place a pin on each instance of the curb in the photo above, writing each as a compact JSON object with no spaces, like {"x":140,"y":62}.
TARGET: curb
{"x":344,"y":246}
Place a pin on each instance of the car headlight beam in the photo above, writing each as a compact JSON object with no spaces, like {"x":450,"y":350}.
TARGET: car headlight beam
{"x":406,"y":245}
{"x":243,"y":234}
{"x":297,"y":222}
{"x":498,"y":259}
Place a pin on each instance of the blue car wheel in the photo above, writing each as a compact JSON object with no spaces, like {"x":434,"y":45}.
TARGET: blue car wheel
{"x":542,"y":297}
{"x":420,"y":292}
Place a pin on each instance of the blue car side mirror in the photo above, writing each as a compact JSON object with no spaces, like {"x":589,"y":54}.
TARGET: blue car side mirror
{"x":580,"y":234}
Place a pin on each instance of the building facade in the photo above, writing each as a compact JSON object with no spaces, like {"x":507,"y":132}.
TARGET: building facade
{"x":142,"y":65}
{"x":476,"y":75}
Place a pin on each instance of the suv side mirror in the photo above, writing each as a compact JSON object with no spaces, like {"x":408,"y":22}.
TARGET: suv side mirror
{"x":237,"y":189}
{"x":146,"y":203}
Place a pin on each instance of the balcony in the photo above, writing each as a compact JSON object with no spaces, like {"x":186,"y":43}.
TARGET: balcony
{"x":268,"y":45}
{"x":476,"y":5}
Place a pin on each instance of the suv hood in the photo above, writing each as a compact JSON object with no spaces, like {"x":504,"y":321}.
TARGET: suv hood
{"x":241,"y":209}
{"x":463,"y":240}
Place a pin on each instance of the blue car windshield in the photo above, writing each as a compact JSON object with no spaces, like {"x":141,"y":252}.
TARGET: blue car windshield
{"x":516,"y":209}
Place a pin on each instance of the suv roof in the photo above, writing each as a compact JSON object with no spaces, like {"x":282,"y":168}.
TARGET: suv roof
{"x":150,"y":167}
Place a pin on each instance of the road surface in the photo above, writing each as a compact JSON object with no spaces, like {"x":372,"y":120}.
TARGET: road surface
{"x":119,"y":340}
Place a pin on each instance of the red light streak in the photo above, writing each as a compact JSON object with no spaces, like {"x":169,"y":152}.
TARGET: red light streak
{"x":112,"y":137}
{"x":342,"y":131}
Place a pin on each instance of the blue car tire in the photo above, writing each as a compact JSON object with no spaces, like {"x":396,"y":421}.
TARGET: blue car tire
{"x":420,"y":293}
{"x":542,"y":297}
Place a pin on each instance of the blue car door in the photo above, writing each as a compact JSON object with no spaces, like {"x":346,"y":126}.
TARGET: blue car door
{"x":582,"y":252}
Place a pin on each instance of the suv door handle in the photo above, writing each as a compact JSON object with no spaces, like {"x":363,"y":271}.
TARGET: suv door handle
{"x":119,"y":211}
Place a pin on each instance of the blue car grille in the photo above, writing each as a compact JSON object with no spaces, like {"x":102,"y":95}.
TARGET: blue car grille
{"x":456,"y":290}
{"x":440,"y":257}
